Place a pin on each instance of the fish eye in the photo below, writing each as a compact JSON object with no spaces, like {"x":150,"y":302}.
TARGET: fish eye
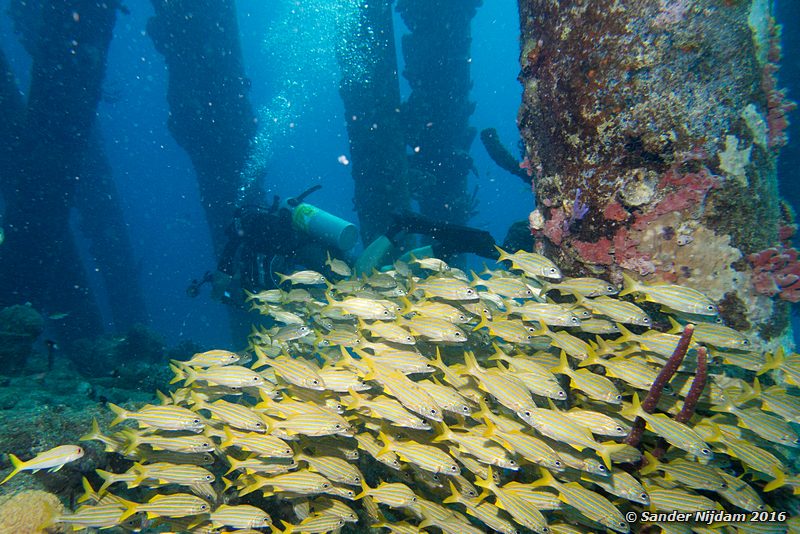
{"x":196,"y":421}
{"x":619,"y":429}
{"x":611,"y":289}
{"x":705,"y":452}
{"x":551,"y":270}
{"x":457,"y":334}
{"x":357,"y":341}
{"x":623,"y":524}
{"x":256,"y":378}
{"x":526,"y":413}
{"x":206,"y":444}
{"x":357,"y":479}
{"x":413,"y":499}
{"x":512,"y":462}
{"x":337,"y":425}
{"x":618,"y":397}
{"x":574,"y":320}
{"x":315,"y":382}
{"x":386,"y":312}
{"x":433,"y":411}
{"x":558,"y":464}
{"x":644,"y":496}
{"x":561,"y":395}
{"x":287,"y":451}
{"x":209,"y":477}
{"x":453,"y":468}
{"x":601,"y":468}
{"x":203,"y":506}
{"x":325,"y":485}
{"x":470,"y":291}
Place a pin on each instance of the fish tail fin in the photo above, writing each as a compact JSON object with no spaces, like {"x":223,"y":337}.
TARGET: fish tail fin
{"x":121,"y":413}
{"x":563,"y":365}
{"x":491,"y":428}
{"x":482,"y":323}
{"x":780,"y":480}
{"x":364,"y":490}
{"x":752,"y":393}
{"x":282,"y":278}
{"x":651,"y":465}
{"x":487,"y":482}
{"x":498,"y":353}
{"x":108,"y":479}
{"x":229,"y":438}
{"x":132,"y":441}
{"x":774,"y":361}
{"x":675,"y":326}
{"x":626,"y":336}
{"x":607,"y":448}
{"x":407,"y":306}
{"x":629,"y":285}
{"x":357,"y":401}
{"x":545,"y":480}
{"x":162,"y":398}
{"x":93,"y":434}
{"x":543,"y":330}
{"x":591,"y":359}
{"x":88,"y":491}
{"x":634,"y":409}
{"x":455,"y":496}
{"x":503,"y":254}
{"x":387,"y":442}
{"x":18,"y":466}
{"x":471,"y":364}
{"x":443,"y":431}
{"x":234,"y":465}
{"x":261,"y":357}
{"x":130,"y":509}
{"x":178,"y":371}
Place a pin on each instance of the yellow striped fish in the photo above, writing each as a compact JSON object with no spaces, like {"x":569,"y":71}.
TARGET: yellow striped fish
{"x":162,"y":417}
{"x":239,"y":517}
{"x":173,"y":505}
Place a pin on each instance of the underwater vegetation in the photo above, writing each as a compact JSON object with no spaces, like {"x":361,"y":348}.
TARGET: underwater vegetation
{"x":426,"y":399}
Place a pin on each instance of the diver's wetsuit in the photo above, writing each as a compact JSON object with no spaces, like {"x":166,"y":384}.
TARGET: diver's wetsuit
{"x":262,"y":241}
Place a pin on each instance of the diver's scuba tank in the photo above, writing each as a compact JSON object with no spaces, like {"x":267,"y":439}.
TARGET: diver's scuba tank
{"x":328,"y":228}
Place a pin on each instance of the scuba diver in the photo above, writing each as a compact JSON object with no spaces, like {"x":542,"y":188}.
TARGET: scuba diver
{"x":263,"y":241}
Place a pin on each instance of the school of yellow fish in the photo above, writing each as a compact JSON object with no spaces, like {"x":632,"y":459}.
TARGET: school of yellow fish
{"x":423,"y":399}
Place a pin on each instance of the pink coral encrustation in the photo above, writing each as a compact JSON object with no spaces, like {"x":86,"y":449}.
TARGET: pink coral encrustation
{"x":776,"y":272}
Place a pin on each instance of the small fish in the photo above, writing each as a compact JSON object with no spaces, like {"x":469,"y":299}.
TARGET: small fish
{"x":338,"y":266}
{"x":585,"y":287}
{"x":522,"y":510}
{"x":531,"y":264}
{"x":334,"y":469}
{"x":674,"y":432}
{"x":303,"y":482}
{"x":675,"y":297}
{"x":394,"y":495}
{"x":435,"y":329}
{"x":94,"y":516}
{"x":619,"y":311}
{"x":690,"y":474}
{"x":52,"y":460}
{"x":427,"y":457}
{"x":212,"y":358}
{"x":173,"y":505}
{"x":309,"y":278}
{"x":239,"y":517}
{"x":234,"y":376}
{"x":167,"y":417}
{"x":592,"y":505}
{"x":446,"y":288}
